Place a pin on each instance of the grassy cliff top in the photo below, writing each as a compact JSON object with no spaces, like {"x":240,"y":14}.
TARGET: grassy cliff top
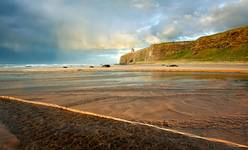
{"x":228,"y":46}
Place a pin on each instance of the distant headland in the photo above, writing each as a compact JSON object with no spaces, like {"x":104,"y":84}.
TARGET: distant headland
{"x":228,"y":46}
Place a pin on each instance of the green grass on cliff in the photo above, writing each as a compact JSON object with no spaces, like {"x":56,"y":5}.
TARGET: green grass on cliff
{"x":240,"y":54}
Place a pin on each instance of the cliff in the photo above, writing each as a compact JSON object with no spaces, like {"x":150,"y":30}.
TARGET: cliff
{"x":231,"y":45}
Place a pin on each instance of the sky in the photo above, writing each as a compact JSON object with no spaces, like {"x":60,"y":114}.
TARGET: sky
{"x":100,"y":31}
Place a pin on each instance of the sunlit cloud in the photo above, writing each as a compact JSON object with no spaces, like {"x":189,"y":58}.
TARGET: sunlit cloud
{"x":144,"y":4}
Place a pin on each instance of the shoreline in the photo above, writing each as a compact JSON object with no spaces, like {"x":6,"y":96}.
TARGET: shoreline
{"x":211,"y":68}
{"x":121,"y":126}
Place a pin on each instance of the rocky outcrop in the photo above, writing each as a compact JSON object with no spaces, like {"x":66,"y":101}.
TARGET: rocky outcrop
{"x":232,"y":39}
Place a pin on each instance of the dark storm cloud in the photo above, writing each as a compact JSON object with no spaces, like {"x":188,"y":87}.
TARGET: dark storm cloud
{"x":24,"y":37}
{"x":22,"y":30}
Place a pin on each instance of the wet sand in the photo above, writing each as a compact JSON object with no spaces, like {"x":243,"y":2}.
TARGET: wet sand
{"x":206,"y":104}
{"x":202,"y":113}
{"x":44,"y":126}
{"x":8,"y":141}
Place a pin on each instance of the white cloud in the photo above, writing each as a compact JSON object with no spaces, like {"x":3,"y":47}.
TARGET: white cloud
{"x":169,"y":30}
{"x":80,"y":40}
{"x":144,"y":4}
{"x":118,"y":40}
{"x":184,"y":21}
{"x":226,"y":16}
{"x":151,"y":39}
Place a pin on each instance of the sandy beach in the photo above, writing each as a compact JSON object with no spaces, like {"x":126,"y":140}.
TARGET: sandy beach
{"x":123,"y":75}
{"x":219,"y":117}
{"x":45,"y":126}
{"x":8,"y":141}
{"x":210,"y":103}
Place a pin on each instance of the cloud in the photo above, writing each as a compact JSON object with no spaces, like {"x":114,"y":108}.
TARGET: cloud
{"x":144,"y":4}
{"x":82,"y":27}
{"x":190,"y":22}
{"x":227,"y":16}
{"x":79,"y":39}
{"x":118,"y":40}
{"x":151,"y":39}
{"x":171,"y":31}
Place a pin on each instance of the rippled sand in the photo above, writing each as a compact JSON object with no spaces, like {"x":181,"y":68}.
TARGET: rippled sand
{"x":40,"y":126}
{"x":207,"y":104}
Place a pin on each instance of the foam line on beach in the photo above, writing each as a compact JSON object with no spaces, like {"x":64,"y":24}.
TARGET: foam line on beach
{"x":123,"y":120}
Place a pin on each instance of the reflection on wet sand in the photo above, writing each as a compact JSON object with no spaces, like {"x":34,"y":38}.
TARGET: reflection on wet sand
{"x":200,"y":103}
{"x":8,"y":141}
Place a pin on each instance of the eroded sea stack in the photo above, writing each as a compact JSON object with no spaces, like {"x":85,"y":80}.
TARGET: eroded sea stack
{"x":231,"y":45}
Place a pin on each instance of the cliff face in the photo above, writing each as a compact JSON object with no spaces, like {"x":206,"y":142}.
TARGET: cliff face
{"x":155,"y":52}
{"x":231,"y":45}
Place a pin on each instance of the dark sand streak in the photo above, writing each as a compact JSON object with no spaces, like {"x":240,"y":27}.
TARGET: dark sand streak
{"x":46,"y":126}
